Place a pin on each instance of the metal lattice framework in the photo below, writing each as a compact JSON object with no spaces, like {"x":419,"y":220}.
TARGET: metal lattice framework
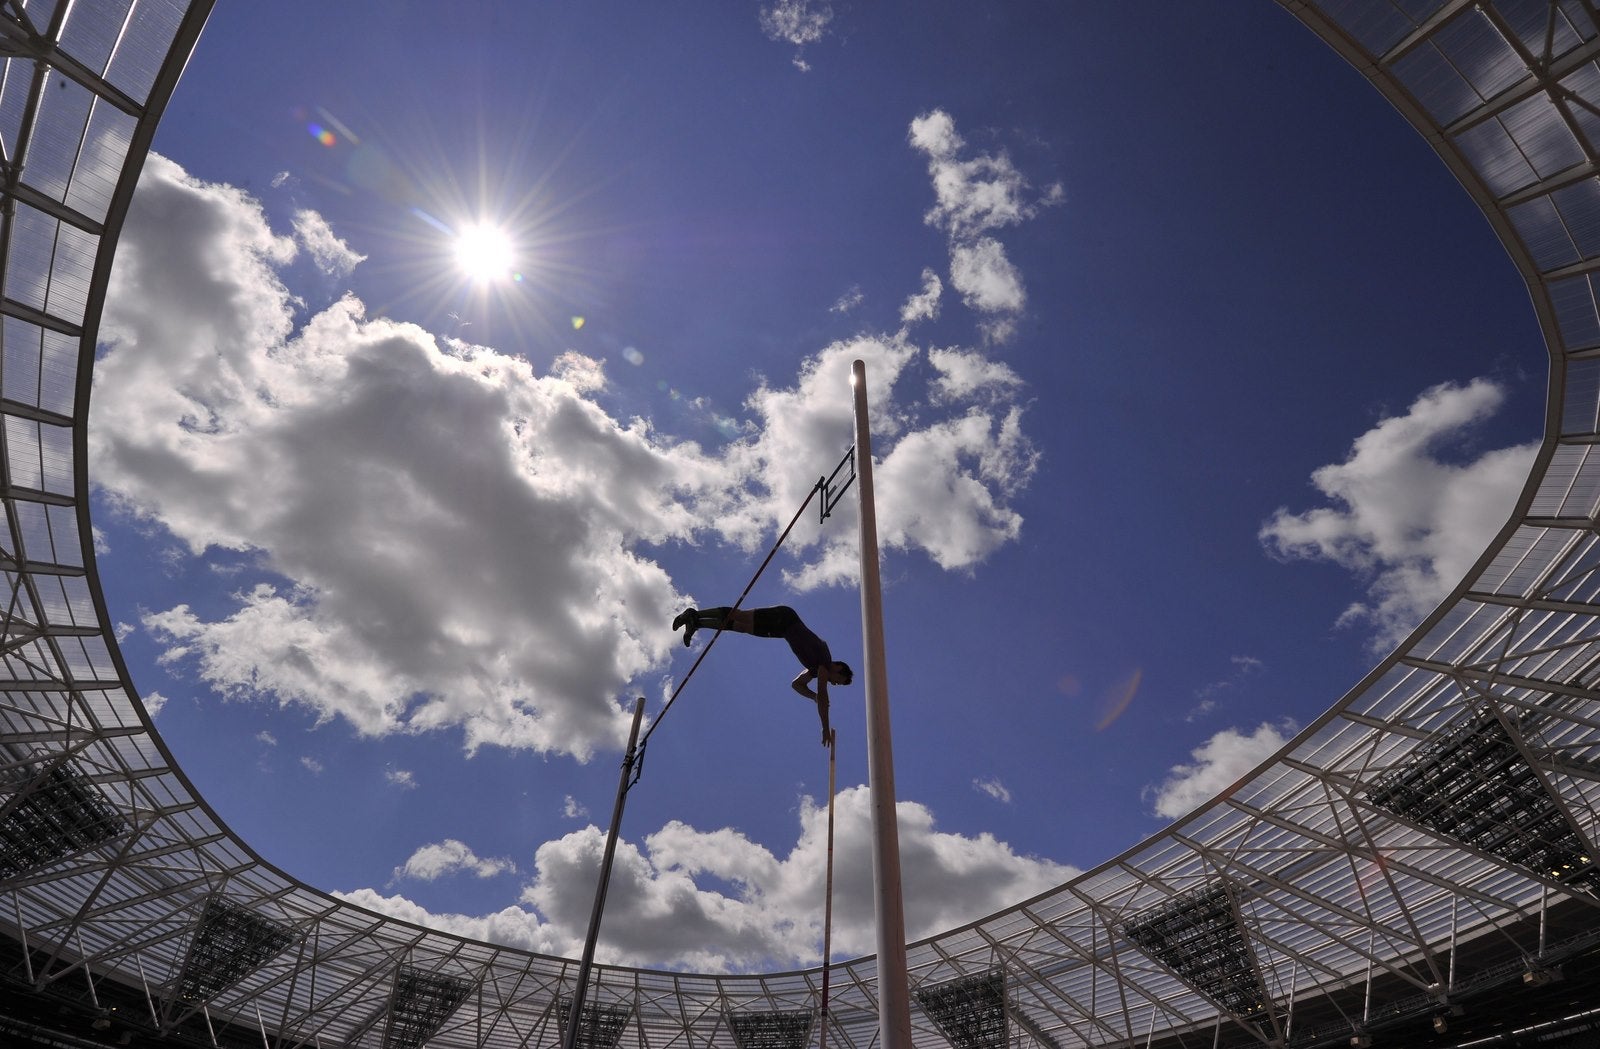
{"x":971,"y":1011}
{"x":229,"y":943}
{"x":599,"y":1026}
{"x":1362,"y":886}
{"x":788,"y":1029}
{"x":1199,"y":937}
{"x":1474,"y":785}
{"x":53,"y":815}
{"x":420,"y":1005}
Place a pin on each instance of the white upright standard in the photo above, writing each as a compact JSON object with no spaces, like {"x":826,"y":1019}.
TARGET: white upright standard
{"x":894,"y":995}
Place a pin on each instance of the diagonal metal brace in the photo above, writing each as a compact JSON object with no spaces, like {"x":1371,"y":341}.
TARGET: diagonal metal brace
{"x":831,"y":492}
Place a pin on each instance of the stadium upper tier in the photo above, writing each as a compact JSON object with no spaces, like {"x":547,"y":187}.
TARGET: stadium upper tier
{"x":1429,"y":842}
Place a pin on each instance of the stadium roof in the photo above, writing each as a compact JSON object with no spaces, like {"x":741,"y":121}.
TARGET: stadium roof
{"x":1430,"y":838}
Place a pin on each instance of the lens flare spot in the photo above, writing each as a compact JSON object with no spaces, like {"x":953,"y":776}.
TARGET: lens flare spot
{"x":632,"y":356}
{"x":321,"y":134}
{"x":1116,"y":700}
{"x":577,"y":322}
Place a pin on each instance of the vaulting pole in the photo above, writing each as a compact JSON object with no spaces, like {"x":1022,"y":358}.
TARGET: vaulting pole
{"x":569,"y":1037}
{"x":894,"y":995}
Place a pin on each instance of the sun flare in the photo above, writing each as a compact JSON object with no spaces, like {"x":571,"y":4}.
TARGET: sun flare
{"x":485,"y":253}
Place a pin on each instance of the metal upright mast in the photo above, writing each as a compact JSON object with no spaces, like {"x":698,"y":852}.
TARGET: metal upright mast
{"x":894,"y":996}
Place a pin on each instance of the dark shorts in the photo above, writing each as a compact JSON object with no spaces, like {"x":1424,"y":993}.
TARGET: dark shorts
{"x":783,"y":621}
{"x":773,"y":622}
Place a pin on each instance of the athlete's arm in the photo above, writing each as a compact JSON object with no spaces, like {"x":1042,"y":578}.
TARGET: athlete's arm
{"x":822,"y":708}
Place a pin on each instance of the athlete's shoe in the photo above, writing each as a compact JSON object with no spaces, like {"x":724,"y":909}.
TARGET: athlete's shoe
{"x":686,"y":621}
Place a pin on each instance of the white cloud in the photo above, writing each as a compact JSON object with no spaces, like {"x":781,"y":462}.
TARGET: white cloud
{"x":266,"y":738}
{"x":330,"y":254}
{"x":312,"y":765}
{"x":153,"y":702}
{"x":1207,"y":695}
{"x":222,"y":422}
{"x":973,"y":197}
{"x":432,"y":862}
{"x":573,"y":809}
{"x":223,"y":429}
{"x":924,"y":305}
{"x":943,"y":485}
{"x":796,"y":22}
{"x":513,"y":926}
{"x":986,"y":279}
{"x":658,"y":913}
{"x":994,"y":788}
{"x":1408,"y":522}
{"x":849,"y":300}
{"x":1218,"y":763}
{"x":964,"y":374}
{"x":402,"y":778}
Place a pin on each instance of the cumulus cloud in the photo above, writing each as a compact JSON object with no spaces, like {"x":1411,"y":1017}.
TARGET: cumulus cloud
{"x":437,"y":457}
{"x":432,"y":862}
{"x":963,"y":375}
{"x":849,"y":300}
{"x":1407,"y":521}
{"x":153,"y":702}
{"x":974,"y":196}
{"x":985,"y":278}
{"x":330,"y":254}
{"x":767,"y":909}
{"x":573,"y":809}
{"x":311,"y":765}
{"x":944,"y":483}
{"x":402,"y":778}
{"x":384,"y":485}
{"x":512,"y":926}
{"x":1218,"y":764}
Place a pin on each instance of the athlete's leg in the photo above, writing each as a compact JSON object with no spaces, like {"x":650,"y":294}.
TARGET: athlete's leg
{"x":725,"y":618}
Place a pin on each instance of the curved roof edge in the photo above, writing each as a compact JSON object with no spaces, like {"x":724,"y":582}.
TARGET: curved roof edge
{"x":1432,"y":836}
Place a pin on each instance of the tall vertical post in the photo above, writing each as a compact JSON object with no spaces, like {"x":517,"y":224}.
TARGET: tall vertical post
{"x":827,"y":906}
{"x":894,"y":993}
{"x":569,"y":1037}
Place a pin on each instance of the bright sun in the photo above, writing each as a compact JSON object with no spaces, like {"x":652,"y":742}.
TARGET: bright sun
{"x":484,"y":253}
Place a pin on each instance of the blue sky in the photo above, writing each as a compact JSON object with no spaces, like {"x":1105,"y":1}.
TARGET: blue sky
{"x":1194,"y":369}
